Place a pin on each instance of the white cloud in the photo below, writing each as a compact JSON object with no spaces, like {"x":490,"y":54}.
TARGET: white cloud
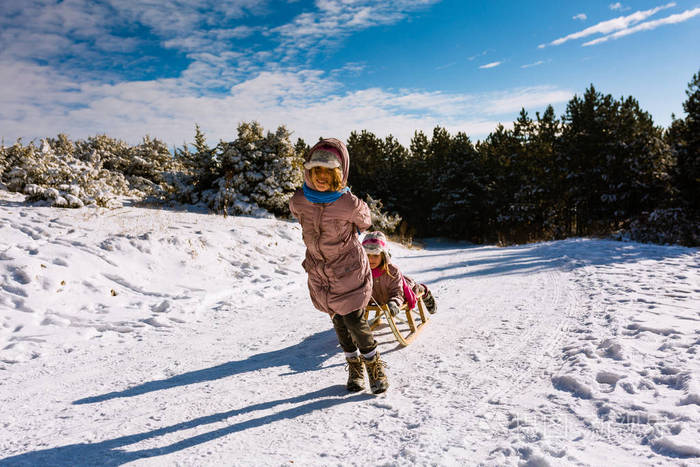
{"x":43,"y":29}
{"x":615,"y":6}
{"x":581,"y":16}
{"x":609,"y":26}
{"x":86,"y":38}
{"x":90,"y":39}
{"x":446,"y":65}
{"x":530,"y":65}
{"x":175,"y":18}
{"x":43,"y":100}
{"x":528,"y":98}
{"x":490,"y":65}
{"x":335,"y":19}
{"x":647,"y":26}
{"x":39,"y":102}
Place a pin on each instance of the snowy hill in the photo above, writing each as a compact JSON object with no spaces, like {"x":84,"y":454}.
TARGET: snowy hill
{"x":156,"y":337}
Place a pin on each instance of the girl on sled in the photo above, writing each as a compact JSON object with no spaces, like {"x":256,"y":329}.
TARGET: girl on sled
{"x":390,"y":287}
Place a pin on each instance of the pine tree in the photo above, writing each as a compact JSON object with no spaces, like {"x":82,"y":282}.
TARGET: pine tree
{"x":550,"y":182}
{"x":420,"y":146}
{"x":257,"y":171}
{"x":3,"y":160}
{"x":417,"y":203}
{"x":301,"y":148}
{"x":500,"y":153}
{"x":377,"y":173}
{"x":365,"y":151}
{"x":460,"y":190}
{"x":684,"y":138}
{"x":582,"y":157}
{"x":615,"y":161}
{"x":204,"y":163}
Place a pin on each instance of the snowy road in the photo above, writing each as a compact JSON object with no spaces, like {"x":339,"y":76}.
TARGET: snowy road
{"x":578,"y":352}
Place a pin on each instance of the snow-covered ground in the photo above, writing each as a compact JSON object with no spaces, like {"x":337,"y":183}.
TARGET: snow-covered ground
{"x":165,"y":337}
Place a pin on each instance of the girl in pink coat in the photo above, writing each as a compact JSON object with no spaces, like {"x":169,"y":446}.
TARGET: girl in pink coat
{"x":390,"y":287}
{"x":339,"y":276}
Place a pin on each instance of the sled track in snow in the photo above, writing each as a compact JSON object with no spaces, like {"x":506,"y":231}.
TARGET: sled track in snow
{"x":519,"y":365}
{"x":525,"y":340}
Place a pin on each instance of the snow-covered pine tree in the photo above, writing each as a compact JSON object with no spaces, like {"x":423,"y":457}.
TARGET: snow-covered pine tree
{"x":301,"y":148}
{"x":18,"y":159}
{"x":3,"y":161}
{"x":257,"y":171}
{"x":73,"y":174}
{"x":148,"y":163}
{"x":107,"y":158}
{"x":206,"y":164}
{"x":382,"y":220}
{"x":44,"y":175}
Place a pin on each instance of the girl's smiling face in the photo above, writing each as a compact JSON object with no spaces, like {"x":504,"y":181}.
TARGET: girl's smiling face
{"x":321,"y":178}
{"x":374,"y":260}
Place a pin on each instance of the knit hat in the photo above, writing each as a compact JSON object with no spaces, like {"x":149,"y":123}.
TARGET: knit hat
{"x":375,"y":243}
{"x":324,"y":156}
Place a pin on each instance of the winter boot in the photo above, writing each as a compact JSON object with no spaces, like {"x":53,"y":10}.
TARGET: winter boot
{"x":429,"y":301}
{"x":377,"y":378}
{"x":356,"y":374}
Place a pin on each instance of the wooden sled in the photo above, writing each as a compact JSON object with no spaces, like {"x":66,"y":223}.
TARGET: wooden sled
{"x":405,"y":329}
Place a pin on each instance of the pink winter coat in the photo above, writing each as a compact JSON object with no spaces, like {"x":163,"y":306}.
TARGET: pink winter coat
{"x":390,"y":286}
{"x":340,"y":279}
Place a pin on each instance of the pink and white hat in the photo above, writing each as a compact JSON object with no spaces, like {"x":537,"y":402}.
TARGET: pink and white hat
{"x":375,"y":243}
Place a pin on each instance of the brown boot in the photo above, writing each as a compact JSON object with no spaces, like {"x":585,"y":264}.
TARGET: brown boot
{"x":377,"y":378}
{"x":356,"y":374}
{"x":429,"y":301}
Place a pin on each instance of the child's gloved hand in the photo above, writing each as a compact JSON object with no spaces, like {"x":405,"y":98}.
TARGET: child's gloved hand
{"x":393,"y":308}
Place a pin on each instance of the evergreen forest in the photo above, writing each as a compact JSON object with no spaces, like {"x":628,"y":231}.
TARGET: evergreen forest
{"x":603,"y":168}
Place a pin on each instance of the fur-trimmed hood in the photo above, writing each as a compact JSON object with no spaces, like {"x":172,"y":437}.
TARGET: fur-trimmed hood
{"x":344,"y":158}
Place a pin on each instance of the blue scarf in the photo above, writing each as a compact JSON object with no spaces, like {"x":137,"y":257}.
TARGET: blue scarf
{"x":323,"y":196}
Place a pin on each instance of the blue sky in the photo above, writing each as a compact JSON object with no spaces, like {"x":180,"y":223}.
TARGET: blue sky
{"x":129,"y":68}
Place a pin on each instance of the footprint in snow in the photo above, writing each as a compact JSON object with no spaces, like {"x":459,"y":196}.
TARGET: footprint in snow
{"x":572,"y":385}
{"x":20,"y":275}
{"x":156,"y":322}
{"x":15,"y":291}
{"x":163,"y":307}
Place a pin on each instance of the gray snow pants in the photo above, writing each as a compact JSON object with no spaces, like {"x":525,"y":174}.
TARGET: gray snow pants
{"x":354,"y":332}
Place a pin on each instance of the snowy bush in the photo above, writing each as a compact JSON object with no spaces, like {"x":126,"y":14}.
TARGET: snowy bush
{"x":382,"y":220}
{"x":254,"y":174}
{"x":97,"y":171}
{"x":663,"y":226}
{"x":3,"y":160}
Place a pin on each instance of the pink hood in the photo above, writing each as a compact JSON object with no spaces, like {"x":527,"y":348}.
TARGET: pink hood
{"x":344,"y":158}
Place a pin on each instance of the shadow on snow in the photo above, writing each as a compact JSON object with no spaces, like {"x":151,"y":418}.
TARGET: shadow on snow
{"x":564,"y":254}
{"x":110,"y":452}
{"x":307,"y":355}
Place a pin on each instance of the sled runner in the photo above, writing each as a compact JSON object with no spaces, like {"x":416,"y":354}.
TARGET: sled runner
{"x":404,"y":328}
